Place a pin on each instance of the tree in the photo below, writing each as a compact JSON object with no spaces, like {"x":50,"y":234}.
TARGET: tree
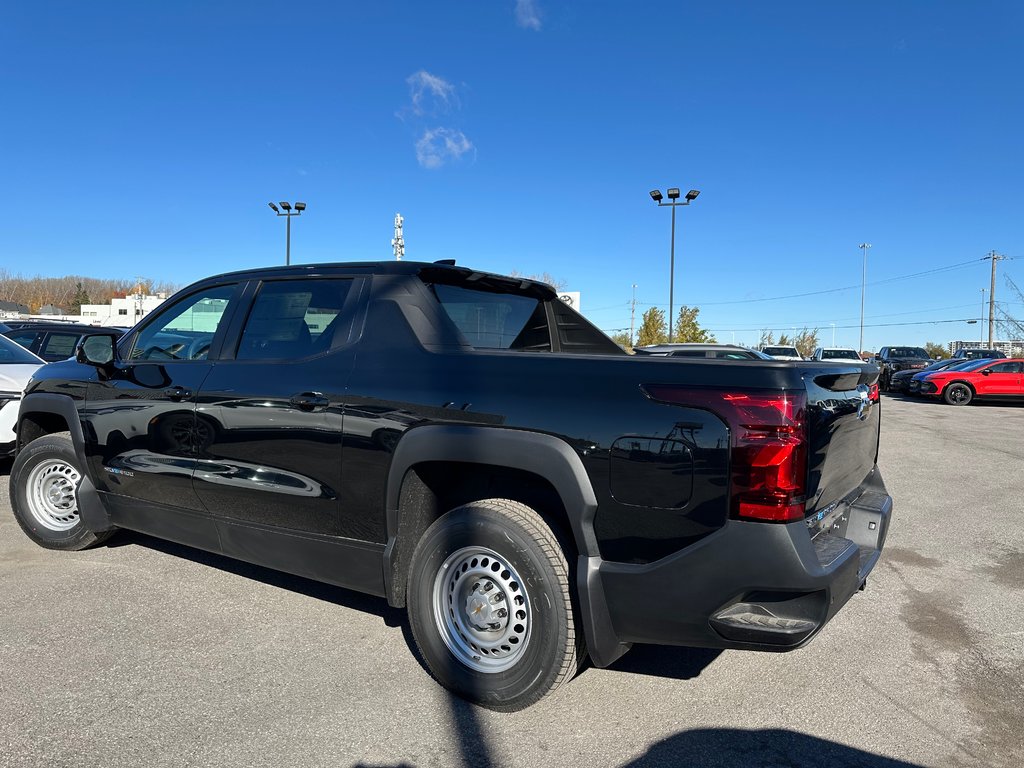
{"x":81,"y":297}
{"x":767,"y":339}
{"x":622,"y":339}
{"x":935,"y":351}
{"x":653,"y":329}
{"x":687,"y":329}
{"x":805,"y":342}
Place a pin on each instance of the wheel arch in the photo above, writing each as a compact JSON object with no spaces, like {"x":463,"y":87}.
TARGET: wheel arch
{"x":45,"y":413}
{"x":974,"y":392}
{"x":539,"y":470}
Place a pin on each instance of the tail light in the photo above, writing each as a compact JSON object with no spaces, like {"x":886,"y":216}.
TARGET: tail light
{"x":768,"y":449}
{"x":873,"y":393}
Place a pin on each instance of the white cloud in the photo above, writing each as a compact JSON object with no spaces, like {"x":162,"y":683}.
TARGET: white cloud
{"x":439,"y":145}
{"x":527,"y":15}
{"x":430,"y":94}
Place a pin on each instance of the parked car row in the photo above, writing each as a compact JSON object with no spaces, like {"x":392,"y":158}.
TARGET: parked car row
{"x":959,"y":381}
{"x":54,"y":341}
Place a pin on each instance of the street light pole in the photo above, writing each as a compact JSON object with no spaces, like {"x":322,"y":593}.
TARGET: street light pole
{"x":673,"y":196}
{"x":288,"y":213}
{"x":863,"y":284}
{"x":981,"y":321}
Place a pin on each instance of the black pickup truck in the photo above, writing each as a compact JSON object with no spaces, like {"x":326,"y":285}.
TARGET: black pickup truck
{"x":465,"y":445}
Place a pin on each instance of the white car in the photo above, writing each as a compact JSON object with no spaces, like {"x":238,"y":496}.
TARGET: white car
{"x":844,"y":354}
{"x":17,"y":365}
{"x":782,"y":353}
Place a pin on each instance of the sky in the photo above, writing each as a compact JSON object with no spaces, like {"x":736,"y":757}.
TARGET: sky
{"x":524,"y":135}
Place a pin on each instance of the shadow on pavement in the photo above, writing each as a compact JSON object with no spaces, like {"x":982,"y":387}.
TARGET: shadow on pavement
{"x":771,"y":748}
{"x":673,"y":662}
{"x":393,"y":617}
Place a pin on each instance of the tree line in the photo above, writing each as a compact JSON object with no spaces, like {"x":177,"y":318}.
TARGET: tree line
{"x":70,"y":292}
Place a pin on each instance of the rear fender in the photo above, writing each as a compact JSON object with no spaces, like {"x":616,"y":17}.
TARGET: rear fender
{"x":542,"y":455}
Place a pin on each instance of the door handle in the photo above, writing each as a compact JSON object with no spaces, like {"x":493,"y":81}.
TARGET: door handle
{"x":177,"y":394}
{"x":309,"y":401}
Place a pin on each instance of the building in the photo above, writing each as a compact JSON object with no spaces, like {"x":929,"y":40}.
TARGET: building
{"x":126,"y":311}
{"x":1011,"y":348}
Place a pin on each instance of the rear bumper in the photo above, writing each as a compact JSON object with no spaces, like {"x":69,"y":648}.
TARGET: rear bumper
{"x":757,"y":586}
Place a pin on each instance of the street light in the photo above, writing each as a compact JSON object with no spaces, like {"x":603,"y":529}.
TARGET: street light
{"x":863,"y":283}
{"x":288,"y":213}
{"x":673,"y":196}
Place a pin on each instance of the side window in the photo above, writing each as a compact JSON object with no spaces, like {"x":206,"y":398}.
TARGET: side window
{"x":491,"y":320}
{"x":59,"y":344}
{"x":293,"y":319}
{"x":24,"y":338}
{"x":185,"y":330}
{"x":1006,"y":368}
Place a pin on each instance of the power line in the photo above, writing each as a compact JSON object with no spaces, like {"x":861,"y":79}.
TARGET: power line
{"x":938,"y":270}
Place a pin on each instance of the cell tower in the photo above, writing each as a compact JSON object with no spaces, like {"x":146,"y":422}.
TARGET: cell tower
{"x":398,"y":242}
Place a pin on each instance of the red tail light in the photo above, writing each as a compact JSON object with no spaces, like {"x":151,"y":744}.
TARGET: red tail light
{"x":768,"y":446}
{"x":873,"y":393}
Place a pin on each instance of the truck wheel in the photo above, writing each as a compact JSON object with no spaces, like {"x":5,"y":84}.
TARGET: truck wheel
{"x":44,"y":494}
{"x":490,"y":605}
{"x":958,"y":394}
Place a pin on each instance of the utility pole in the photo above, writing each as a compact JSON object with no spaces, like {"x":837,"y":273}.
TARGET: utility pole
{"x":398,"y":242}
{"x":632,"y":316}
{"x":863,"y":283}
{"x":994,"y":257}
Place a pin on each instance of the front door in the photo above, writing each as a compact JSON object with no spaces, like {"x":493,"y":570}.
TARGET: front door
{"x":142,"y":437}
{"x":1000,"y":380}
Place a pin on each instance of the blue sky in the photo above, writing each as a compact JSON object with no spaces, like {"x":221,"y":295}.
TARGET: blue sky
{"x":147,"y":138}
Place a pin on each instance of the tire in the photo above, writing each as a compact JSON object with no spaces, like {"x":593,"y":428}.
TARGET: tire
{"x":472,"y":564}
{"x":957,"y":394}
{"x":883,"y":382}
{"x":44,"y":495}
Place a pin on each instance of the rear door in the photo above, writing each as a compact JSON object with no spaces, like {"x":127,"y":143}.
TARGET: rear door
{"x":272,"y":406}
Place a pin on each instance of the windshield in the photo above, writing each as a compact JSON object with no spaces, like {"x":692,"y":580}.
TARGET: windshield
{"x":841,"y":354}
{"x":10,"y":352}
{"x":968,"y":365}
{"x":791,"y":351}
{"x":907,"y":352}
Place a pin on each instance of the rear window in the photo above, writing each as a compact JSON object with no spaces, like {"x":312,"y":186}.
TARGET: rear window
{"x":494,"y":320}
{"x":781,"y":351}
{"x":908,"y":352}
{"x":842,"y":354}
{"x":15,"y":353}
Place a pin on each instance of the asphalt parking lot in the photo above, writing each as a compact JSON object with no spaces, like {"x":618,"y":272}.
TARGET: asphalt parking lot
{"x":145,"y":653}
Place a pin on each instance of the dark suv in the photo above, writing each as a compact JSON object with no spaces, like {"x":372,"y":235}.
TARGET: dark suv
{"x":55,"y":341}
{"x":978,"y":354}
{"x":893,"y":359}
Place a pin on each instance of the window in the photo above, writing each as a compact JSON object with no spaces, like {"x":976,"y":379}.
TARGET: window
{"x":122,"y":312}
{"x":292,"y":319}
{"x":185,"y":330}
{"x":493,"y":320}
{"x":1005,"y":368}
{"x":26,"y":337}
{"x":59,"y":345}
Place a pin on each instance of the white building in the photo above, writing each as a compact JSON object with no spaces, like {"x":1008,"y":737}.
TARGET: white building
{"x":1011,"y":348}
{"x":126,"y":311}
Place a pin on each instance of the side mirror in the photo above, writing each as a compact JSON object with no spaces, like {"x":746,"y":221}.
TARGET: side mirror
{"x":98,"y":351}
{"x":986,"y":372}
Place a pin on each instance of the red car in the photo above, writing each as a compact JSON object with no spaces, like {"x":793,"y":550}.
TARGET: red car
{"x":990,"y":379}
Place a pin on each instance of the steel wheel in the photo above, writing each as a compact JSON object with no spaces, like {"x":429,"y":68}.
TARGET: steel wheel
{"x":46,"y":480}
{"x":50,"y":493}
{"x":482,"y":609}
